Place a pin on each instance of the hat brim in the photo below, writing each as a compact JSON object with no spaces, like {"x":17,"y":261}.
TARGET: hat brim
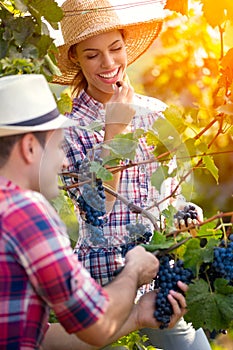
{"x":58,"y":123}
{"x":138,"y":38}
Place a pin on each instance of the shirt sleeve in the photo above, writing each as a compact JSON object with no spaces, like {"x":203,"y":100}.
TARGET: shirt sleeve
{"x":42,"y":247}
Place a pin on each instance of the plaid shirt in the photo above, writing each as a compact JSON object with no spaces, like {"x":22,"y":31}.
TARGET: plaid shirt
{"x":38,"y":270}
{"x":135,"y":185}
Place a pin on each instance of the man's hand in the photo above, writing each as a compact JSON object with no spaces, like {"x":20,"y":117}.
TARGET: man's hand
{"x":146,"y":307}
{"x":144,"y":263}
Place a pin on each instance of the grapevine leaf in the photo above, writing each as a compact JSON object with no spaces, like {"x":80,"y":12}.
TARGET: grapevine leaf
{"x":64,"y":103}
{"x":129,"y":136}
{"x":20,"y":5}
{"x":202,"y":147}
{"x":169,"y":213}
{"x":159,"y":176}
{"x":194,"y":255}
{"x":174,"y":116}
{"x":100,"y":171}
{"x":167,"y":132}
{"x":178,"y":6}
{"x":138,"y":133}
{"x":209,"y":163}
{"x":221,"y":286}
{"x":95,"y":126}
{"x":104,"y":174}
{"x":65,"y":209}
{"x":214,"y":12}
{"x":151,"y":138}
{"x":111,"y":160}
{"x":158,"y":241}
{"x":51,"y":12}
{"x":207,"y":309}
{"x":121,"y":147}
{"x":209,"y":229}
{"x":192,"y":258}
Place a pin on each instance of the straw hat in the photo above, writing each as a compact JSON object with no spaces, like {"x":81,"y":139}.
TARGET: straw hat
{"x":86,"y":18}
{"x":27,"y":105}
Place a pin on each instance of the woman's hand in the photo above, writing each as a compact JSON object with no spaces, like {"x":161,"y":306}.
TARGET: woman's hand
{"x":119,"y":109}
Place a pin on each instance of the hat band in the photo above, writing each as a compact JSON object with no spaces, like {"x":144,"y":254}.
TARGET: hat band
{"x":39,"y":120}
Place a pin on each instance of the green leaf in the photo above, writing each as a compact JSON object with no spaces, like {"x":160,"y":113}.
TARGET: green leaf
{"x":159,"y":176}
{"x":100,"y":171}
{"x":168,"y":135}
{"x":175,"y":117}
{"x":95,"y":126}
{"x":151,"y":138}
{"x":64,"y":103}
{"x":51,"y":12}
{"x":122,"y":148}
{"x":209,"y":163}
{"x":65,"y":209}
{"x":194,"y":255}
{"x":158,"y":241}
{"x":209,"y":309}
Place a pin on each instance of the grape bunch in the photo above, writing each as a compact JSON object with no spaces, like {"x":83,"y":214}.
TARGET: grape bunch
{"x":92,"y":203}
{"x":138,"y":234}
{"x":97,"y":235}
{"x":222,"y":265}
{"x":189,"y":212}
{"x":83,"y":168}
{"x":170,"y":272}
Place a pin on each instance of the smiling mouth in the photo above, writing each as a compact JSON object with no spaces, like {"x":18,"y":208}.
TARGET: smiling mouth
{"x":109,"y":75}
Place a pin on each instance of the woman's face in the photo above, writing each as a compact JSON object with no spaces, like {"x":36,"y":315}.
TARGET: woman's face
{"x":103,"y":61}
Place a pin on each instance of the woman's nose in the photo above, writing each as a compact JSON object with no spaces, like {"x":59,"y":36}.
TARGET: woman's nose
{"x":107,"y":60}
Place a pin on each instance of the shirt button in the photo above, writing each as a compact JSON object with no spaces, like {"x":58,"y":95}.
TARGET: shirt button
{"x":143,"y":170}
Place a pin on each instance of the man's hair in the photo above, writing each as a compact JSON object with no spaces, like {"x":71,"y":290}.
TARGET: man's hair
{"x":8,"y":142}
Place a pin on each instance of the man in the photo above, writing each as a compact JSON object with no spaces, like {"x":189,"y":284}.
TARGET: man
{"x":38,"y":269}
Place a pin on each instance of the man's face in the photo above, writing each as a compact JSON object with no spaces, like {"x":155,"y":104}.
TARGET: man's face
{"x":51,"y":160}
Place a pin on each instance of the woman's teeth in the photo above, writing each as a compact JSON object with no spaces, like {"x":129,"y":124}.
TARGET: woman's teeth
{"x":109,"y":75}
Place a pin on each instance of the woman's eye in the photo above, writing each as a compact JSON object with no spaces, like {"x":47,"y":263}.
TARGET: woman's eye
{"x":90,"y":57}
{"x":117,"y":48}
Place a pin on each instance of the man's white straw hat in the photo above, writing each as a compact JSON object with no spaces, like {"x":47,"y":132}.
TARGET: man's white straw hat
{"x":27,"y":105}
{"x":84,"y":19}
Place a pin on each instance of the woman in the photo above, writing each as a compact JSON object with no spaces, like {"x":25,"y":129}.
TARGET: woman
{"x":93,"y":60}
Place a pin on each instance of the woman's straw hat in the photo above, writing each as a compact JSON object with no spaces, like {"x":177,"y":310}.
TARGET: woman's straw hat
{"x":86,"y":18}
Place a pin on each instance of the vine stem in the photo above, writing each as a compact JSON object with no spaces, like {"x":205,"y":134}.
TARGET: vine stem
{"x":133,"y":207}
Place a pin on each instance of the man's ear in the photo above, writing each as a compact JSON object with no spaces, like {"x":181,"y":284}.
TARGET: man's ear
{"x":29,"y":147}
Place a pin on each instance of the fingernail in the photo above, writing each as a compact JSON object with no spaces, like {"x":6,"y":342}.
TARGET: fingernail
{"x":118,"y":83}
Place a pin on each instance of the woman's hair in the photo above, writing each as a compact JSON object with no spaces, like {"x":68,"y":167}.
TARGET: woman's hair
{"x":8,"y":142}
{"x":79,"y":82}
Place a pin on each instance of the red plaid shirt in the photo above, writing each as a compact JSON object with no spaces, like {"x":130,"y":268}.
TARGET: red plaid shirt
{"x":38,"y":270}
